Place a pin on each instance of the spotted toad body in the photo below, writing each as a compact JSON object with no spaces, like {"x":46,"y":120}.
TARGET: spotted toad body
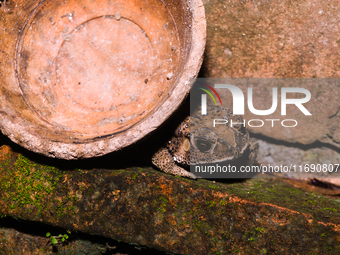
{"x":205,"y":144}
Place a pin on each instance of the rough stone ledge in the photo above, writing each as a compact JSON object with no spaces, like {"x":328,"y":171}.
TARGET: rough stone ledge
{"x":144,"y":206}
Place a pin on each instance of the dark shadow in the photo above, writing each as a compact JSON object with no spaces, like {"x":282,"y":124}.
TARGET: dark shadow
{"x":40,"y":230}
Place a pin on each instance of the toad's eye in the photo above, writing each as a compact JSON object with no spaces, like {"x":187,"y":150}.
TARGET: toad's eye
{"x":203,"y":145}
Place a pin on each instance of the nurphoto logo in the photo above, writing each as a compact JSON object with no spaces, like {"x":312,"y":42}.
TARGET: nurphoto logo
{"x":239,"y":104}
{"x":234,"y":121}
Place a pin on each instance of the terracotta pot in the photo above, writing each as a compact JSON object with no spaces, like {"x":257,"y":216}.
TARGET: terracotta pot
{"x":84,"y":78}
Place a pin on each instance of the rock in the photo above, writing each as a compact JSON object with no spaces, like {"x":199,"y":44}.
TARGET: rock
{"x":304,"y":162}
{"x":283,"y":154}
{"x":280,"y":39}
{"x":144,"y":206}
{"x":19,"y":237}
{"x":14,"y":242}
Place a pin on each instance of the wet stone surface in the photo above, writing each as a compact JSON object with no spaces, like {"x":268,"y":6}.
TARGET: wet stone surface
{"x":144,"y":206}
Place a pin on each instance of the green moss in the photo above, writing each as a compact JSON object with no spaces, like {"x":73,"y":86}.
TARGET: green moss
{"x":28,"y":186}
{"x":211,"y":203}
{"x":164,"y":199}
{"x":330,"y":209}
{"x":264,"y":190}
{"x":222,"y":202}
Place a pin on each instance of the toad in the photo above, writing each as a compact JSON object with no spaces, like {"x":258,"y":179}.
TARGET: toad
{"x":196,"y":141}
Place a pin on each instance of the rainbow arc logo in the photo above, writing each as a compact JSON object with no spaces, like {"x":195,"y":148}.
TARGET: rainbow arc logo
{"x":209,"y":93}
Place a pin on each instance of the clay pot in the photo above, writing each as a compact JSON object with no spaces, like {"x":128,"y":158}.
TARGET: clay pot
{"x":84,"y":78}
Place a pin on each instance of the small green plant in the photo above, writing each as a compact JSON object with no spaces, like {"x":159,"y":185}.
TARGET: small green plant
{"x":259,"y":229}
{"x":331,"y":209}
{"x":60,"y":239}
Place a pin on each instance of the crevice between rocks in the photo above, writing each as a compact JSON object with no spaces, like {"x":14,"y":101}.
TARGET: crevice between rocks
{"x":91,"y":244}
